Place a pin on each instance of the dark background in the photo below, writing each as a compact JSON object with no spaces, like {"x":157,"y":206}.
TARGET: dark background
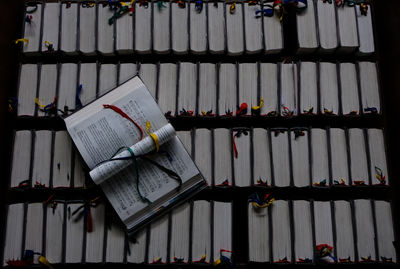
{"x":387,"y":24}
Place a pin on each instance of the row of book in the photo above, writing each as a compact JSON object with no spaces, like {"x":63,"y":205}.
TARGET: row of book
{"x":60,"y":230}
{"x":159,"y":27}
{"x":297,"y":157}
{"x":284,"y":232}
{"x":162,"y":27}
{"x":303,"y":231}
{"x":207,"y":89}
{"x":331,"y":26}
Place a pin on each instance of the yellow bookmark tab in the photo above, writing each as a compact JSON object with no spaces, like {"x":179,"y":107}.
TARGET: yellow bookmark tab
{"x":263,"y":205}
{"x":152,"y":135}
{"x":37,"y":102}
{"x":45,"y":262}
{"x":260,"y":106}
{"x":23,"y":40}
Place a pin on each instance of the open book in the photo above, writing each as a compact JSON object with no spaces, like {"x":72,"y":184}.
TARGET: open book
{"x":149,"y":183}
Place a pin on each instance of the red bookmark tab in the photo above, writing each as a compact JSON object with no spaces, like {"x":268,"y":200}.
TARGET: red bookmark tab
{"x":123,"y":114}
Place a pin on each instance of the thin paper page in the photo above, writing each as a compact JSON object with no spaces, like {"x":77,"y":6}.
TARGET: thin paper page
{"x":14,"y":232}
{"x":222,"y":228}
{"x":347,"y":26}
{"x":48,"y":87}
{"x":327,"y":25}
{"x":187,"y":89}
{"x":344,"y":230}
{"x":365,"y":229}
{"x":216,"y":27}
{"x":42,"y":157}
{"x":300,"y":158}
{"x":67,"y":87}
{"x":201,"y":233}
{"x":87,"y":22}
{"x":349,"y":87}
{"x":54,"y":233}
{"x":62,"y":160}
{"x":115,"y":244}
{"x":95,"y":239}
{"x":158,"y":243}
{"x":105,"y":31}
{"x":69,"y":27}
{"x":358,"y":156}
{"x":32,"y":30}
{"x":258,"y":229}
{"x":104,"y":131}
{"x":242,"y":165}
{"x":223,"y":163}
{"x":308,"y":88}
{"x":148,"y":73}
{"x":227,"y":89}
{"x":106,"y":170}
{"x":323,"y":223}
{"x":262,"y":159}
{"x":207,"y":89}
{"x":319,"y":161}
{"x":329,"y":89}
{"x":167,"y":84}
{"x":143,"y":20}
{"x":124,"y":33}
{"x":248,"y":85}
{"x":288,"y":102}
{"x":186,"y":138}
{"x":179,"y":26}
{"x":303,"y":232}
{"x":365,"y":31}
{"x":253,"y":29}
{"x":153,"y":184}
{"x":377,"y":154}
{"x":385,"y":233}
{"x":281,"y":234}
{"x":339,"y":158}
{"x":34,"y":227}
{"x":21,"y":157}
{"x":79,"y":173}
{"x":273,"y":34}
{"x":138,"y":249}
{"x":107,"y":78}
{"x":203,"y":153}
{"x":269,"y":88}
{"x":234,"y":29}
{"x":280,"y":156}
{"x":50,"y":27}
{"x":198,"y":29}
{"x":368,"y":76}
{"x":306,"y":27}
{"x":179,"y":244}
{"x":27,"y":89}
{"x":88,"y":78}
{"x":161,"y":29}
{"x":74,"y":234}
{"x":126,"y":72}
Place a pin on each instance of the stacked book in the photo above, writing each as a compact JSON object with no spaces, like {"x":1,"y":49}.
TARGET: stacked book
{"x":257,"y":114}
{"x":192,"y":233}
{"x":209,"y":89}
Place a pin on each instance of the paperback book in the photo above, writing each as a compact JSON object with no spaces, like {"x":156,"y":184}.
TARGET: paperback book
{"x":134,"y":154}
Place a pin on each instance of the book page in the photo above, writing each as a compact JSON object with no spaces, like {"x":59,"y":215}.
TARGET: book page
{"x":106,"y":170}
{"x":98,"y":133}
{"x":121,"y":188}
